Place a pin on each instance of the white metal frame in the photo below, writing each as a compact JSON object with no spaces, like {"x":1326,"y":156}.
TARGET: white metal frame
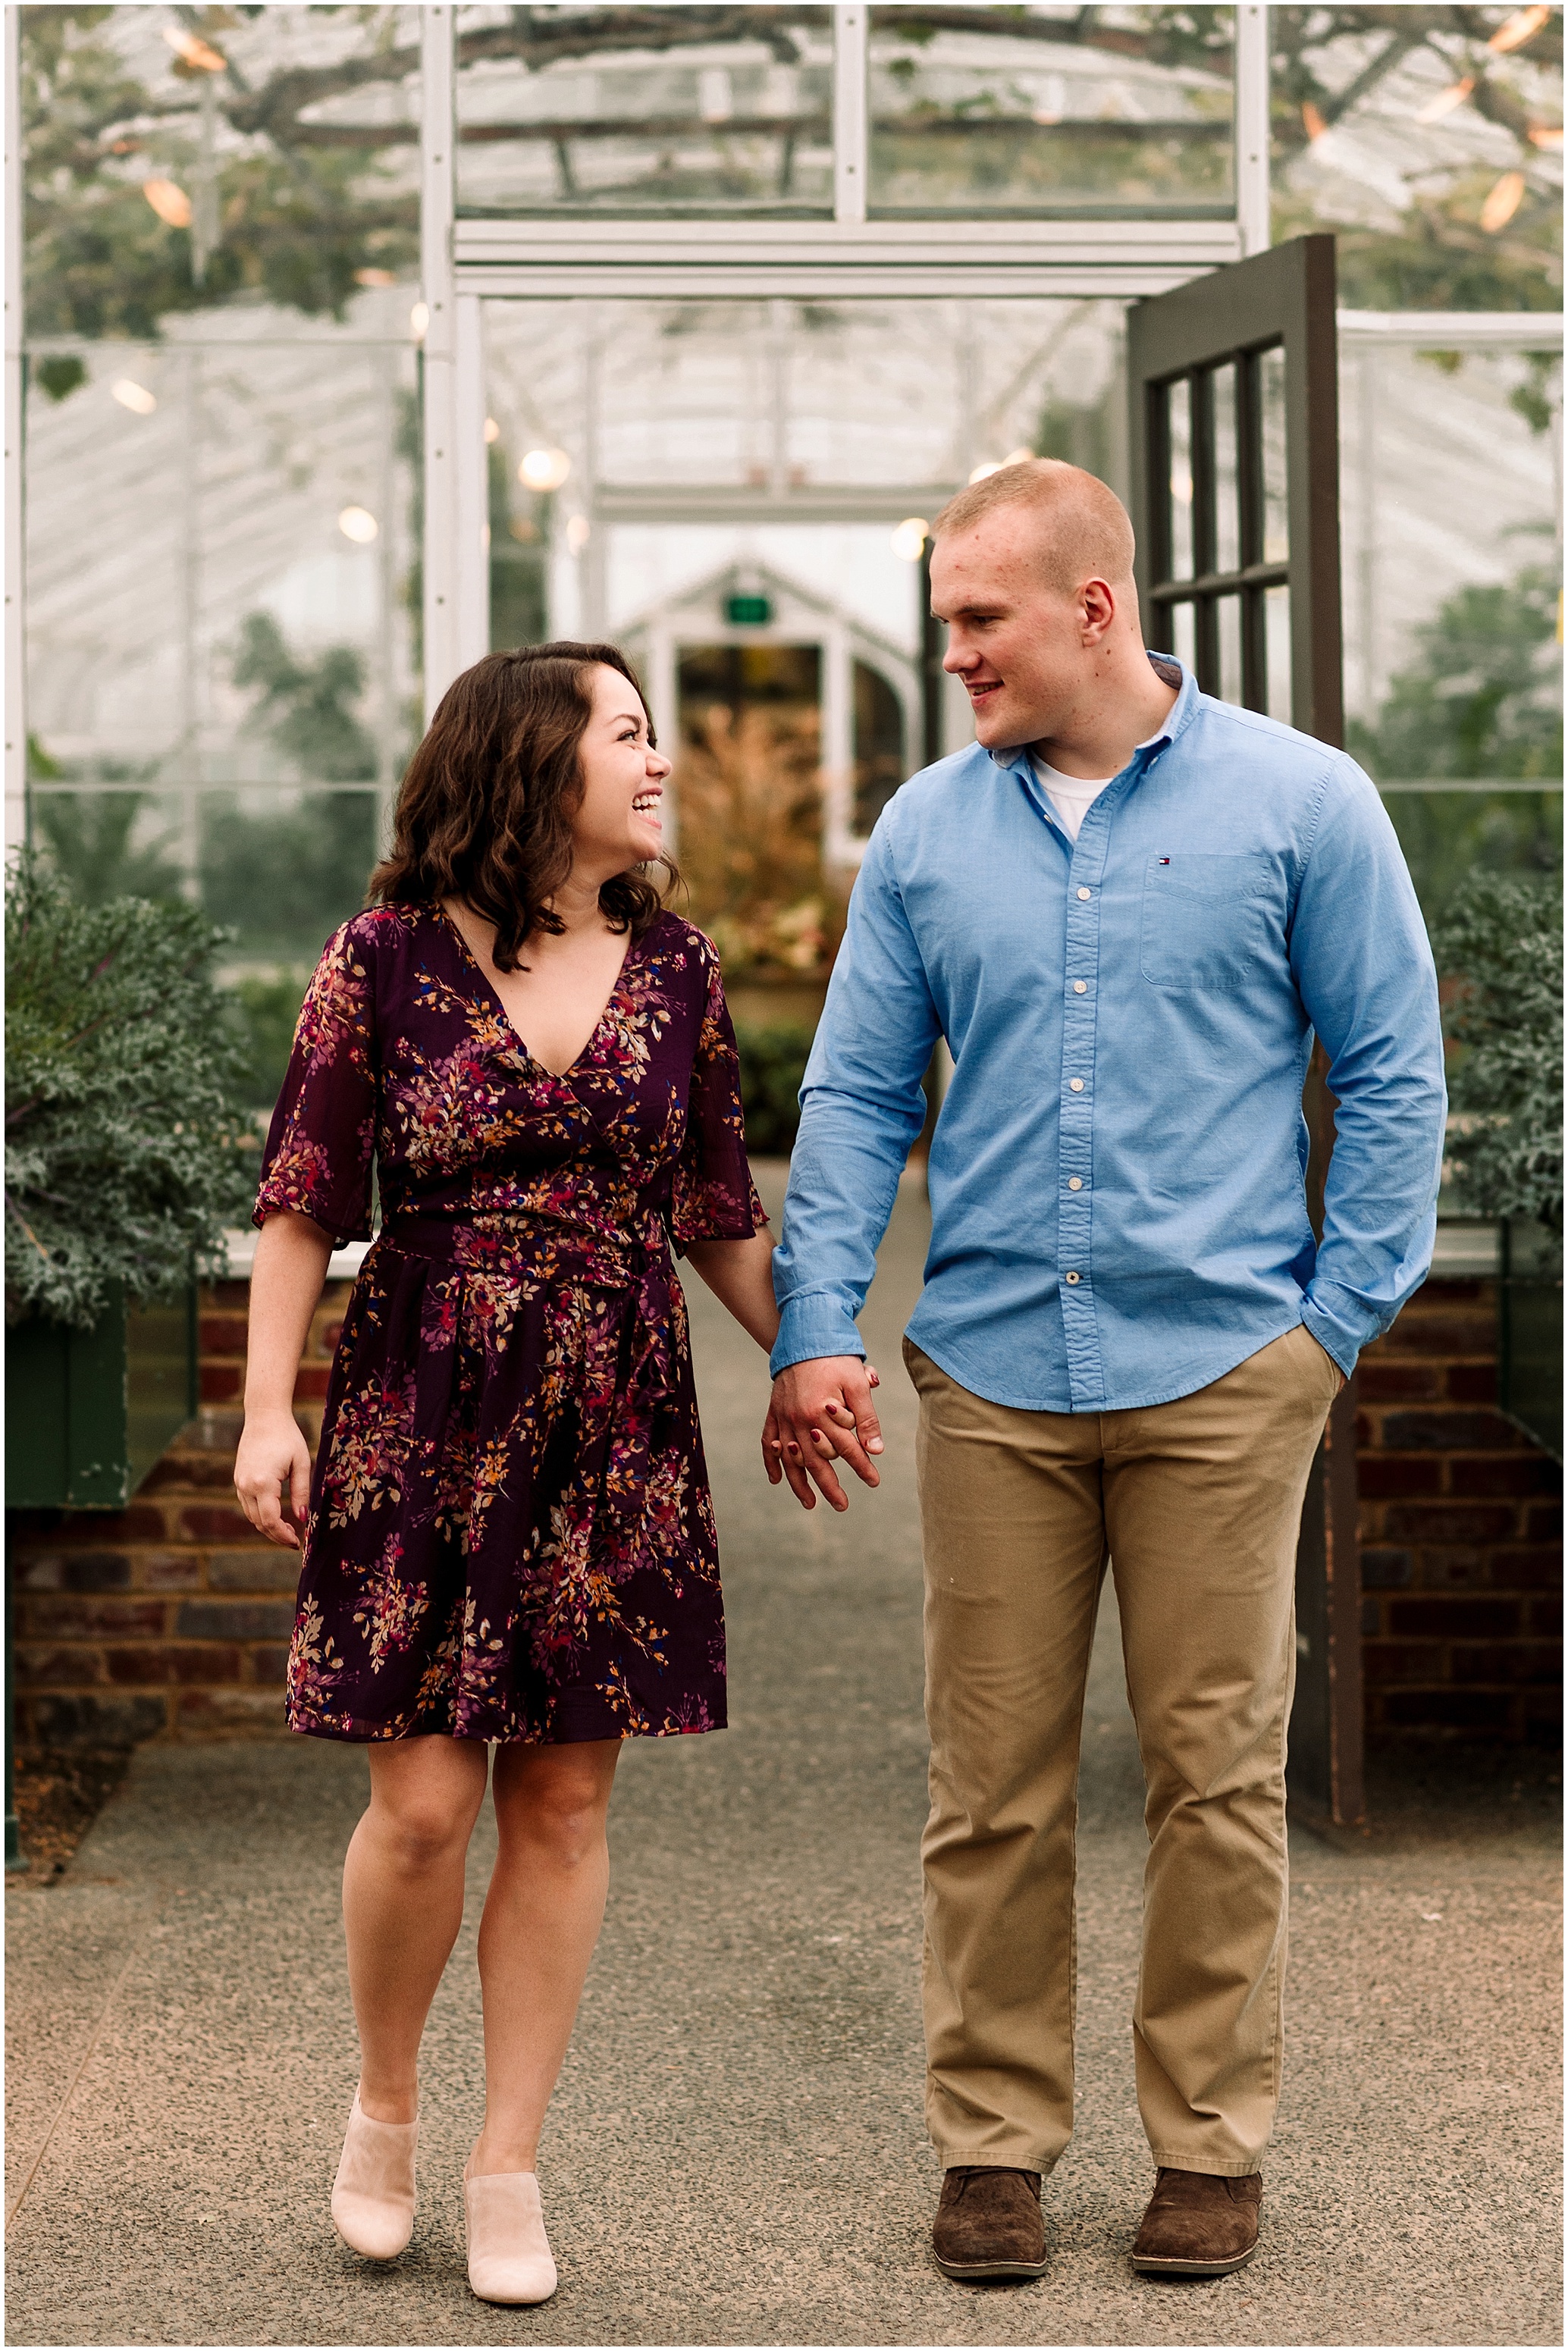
{"x":15,"y":536}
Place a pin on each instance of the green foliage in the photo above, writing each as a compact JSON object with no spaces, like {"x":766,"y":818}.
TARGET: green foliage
{"x":1483,"y":696}
{"x":59,"y":375}
{"x":267,"y":1012}
{"x":295,"y":218}
{"x":1504,"y":938}
{"x":88,"y":836}
{"x":127,"y":1149}
{"x":773,"y":1057}
{"x":286,"y":880}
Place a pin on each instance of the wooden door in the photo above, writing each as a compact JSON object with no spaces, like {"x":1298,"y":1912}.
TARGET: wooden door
{"x":1234,"y":440}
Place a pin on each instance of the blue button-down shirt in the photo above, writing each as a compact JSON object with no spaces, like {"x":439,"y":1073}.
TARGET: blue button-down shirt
{"x":1118,"y":1207}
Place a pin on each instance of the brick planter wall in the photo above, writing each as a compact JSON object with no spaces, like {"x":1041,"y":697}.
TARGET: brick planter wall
{"x":172,"y":1616}
{"x":1461,"y":1523}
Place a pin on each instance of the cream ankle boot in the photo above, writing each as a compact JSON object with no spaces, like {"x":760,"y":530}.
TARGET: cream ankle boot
{"x":509,"y":2259}
{"x":372,"y":2196}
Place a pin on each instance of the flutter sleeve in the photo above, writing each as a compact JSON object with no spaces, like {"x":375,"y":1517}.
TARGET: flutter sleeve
{"x":714,"y":1197}
{"x":321,"y":1143}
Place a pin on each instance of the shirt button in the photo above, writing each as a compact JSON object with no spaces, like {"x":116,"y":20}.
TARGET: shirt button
{"x":1075,"y":1183}
{"x":1086,"y":893}
{"x":1080,"y":988}
{"x":1073,"y":1277}
{"x":1075,"y":1085}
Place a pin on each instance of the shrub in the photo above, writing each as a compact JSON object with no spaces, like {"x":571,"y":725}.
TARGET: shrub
{"x":772,"y":1064}
{"x":128,"y":1149}
{"x":1502,"y":939}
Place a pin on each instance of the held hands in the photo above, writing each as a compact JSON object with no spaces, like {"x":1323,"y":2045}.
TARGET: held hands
{"x":821,"y":1413}
{"x":274,"y":1460}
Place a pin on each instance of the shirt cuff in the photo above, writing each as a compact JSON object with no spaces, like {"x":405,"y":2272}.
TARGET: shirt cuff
{"x":1335,"y":1334}
{"x":814,"y":1325}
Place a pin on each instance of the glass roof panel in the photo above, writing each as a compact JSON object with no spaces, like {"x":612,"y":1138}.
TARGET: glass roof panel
{"x":693,"y":110}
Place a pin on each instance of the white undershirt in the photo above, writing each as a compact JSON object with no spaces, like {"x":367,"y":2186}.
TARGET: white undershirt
{"x":1073,"y":795}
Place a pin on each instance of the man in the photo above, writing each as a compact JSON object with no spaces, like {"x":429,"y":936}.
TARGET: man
{"x":1128,"y":908}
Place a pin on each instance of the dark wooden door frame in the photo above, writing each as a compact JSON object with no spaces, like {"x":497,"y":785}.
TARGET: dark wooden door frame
{"x":1281,"y":300}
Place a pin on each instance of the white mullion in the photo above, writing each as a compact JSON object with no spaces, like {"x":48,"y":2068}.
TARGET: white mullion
{"x":851,"y":136}
{"x":15,"y":538}
{"x":442,"y":552}
{"x":1252,"y":216}
{"x":473,"y":485}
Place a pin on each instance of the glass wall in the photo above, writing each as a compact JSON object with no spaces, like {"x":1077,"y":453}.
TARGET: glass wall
{"x":693,"y":109}
{"x":222,"y":436}
{"x":1430,"y":141}
{"x":1052,"y":112}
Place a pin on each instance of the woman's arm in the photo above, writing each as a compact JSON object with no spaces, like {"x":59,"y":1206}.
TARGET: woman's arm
{"x":290,"y":1266}
{"x":740,"y":1276}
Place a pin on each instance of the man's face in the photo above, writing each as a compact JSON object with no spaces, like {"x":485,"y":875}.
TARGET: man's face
{"x":1017,"y":642}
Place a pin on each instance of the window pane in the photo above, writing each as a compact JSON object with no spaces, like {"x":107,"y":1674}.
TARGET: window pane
{"x":1181,"y":479}
{"x":1277,"y":641}
{"x":1226,"y":516}
{"x":573,"y":110}
{"x":1092,"y":112}
{"x":1431,"y":140}
{"x":1276,"y":507}
{"x":1230,"y":633}
{"x":1451,"y":564}
{"x":1180,"y":633}
{"x":222,"y":443}
{"x":1447,"y":835}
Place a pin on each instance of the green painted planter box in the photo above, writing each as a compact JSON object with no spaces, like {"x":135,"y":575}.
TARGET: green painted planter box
{"x":88,"y":1412}
{"x":1529,"y":1333}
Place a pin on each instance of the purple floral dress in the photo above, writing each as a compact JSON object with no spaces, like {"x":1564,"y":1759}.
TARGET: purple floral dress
{"x":511,"y":1535}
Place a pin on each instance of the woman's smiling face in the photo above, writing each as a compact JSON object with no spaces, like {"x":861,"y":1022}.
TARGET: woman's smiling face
{"x":618,"y":823}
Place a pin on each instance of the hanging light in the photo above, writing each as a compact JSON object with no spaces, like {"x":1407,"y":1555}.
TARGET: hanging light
{"x":492,"y":433}
{"x":543,"y":469}
{"x":1312,"y":121}
{"x":1503,"y":202}
{"x":908,"y":541}
{"x":168,"y":201}
{"x":192,"y":51}
{"x":1447,"y":100}
{"x":133,"y":395}
{"x":375,"y":277}
{"x":358,"y":524}
{"x":579,"y":532}
{"x":418,"y":320}
{"x":1521,"y":27}
{"x":1546,"y":135}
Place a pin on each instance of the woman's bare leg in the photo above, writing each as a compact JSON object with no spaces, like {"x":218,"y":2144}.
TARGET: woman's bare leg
{"x":541,"y":1921}
{"x":403,"y":1905}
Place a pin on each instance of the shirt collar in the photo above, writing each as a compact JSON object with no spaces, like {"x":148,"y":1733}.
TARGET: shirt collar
{"x":1182,"y":713}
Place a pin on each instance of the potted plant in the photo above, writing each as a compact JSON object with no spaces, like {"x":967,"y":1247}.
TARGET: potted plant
{"x":127,"y":1153}
{"x":1501,"y":942}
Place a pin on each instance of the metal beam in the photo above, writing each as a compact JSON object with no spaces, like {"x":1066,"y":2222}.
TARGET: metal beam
{"x":676,"y":502}
{"x":1253,"y":217}
{"x":852,"y":138}
{"x":15,"y":423}
{"x":438,"y":369}
{"x":1455,"y":330}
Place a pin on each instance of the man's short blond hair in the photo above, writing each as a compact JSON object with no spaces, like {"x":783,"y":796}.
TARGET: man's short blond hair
{"x":1086,"y":531}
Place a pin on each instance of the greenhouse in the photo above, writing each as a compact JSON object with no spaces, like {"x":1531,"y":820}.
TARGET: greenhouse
{"x":348,"y":345}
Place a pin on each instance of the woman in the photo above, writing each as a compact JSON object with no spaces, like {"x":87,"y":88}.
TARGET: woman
{"x":509,"y":1536}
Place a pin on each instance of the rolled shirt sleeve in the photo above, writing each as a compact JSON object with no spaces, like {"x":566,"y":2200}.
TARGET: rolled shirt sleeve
{"x":863,"y":1108}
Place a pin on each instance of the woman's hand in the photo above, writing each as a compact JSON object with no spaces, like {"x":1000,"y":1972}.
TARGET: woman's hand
{"x":273,"y":1462}
{"x":820,"y":1413}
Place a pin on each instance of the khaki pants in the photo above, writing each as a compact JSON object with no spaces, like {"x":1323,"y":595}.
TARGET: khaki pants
{"x":1197,"y":1504}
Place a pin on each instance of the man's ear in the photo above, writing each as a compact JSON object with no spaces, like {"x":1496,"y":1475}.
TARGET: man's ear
{"x":1097,"y":606}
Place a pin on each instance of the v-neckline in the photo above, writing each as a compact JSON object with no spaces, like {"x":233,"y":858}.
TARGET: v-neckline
{"x":558,"y":1077}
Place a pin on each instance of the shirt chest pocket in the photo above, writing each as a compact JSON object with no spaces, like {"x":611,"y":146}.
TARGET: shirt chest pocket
{"x":1209,"y":921}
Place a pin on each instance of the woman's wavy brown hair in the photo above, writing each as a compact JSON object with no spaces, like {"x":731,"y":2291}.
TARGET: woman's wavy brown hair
{"x":485,"y":809}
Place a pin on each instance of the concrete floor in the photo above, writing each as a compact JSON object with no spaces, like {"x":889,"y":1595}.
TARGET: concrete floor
{"x":735,"y":2152}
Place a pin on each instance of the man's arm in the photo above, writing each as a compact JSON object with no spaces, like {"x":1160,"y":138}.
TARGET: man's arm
{"x":1364,"y":970}
{"x":862,"y":1110}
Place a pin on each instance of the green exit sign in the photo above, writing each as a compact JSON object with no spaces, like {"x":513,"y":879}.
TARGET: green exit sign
{"x":749,"y":611}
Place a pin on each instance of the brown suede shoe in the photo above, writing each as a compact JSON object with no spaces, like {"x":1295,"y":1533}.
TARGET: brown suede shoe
{"x":989,"y":2224}
{"x":1197,"y":2225}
